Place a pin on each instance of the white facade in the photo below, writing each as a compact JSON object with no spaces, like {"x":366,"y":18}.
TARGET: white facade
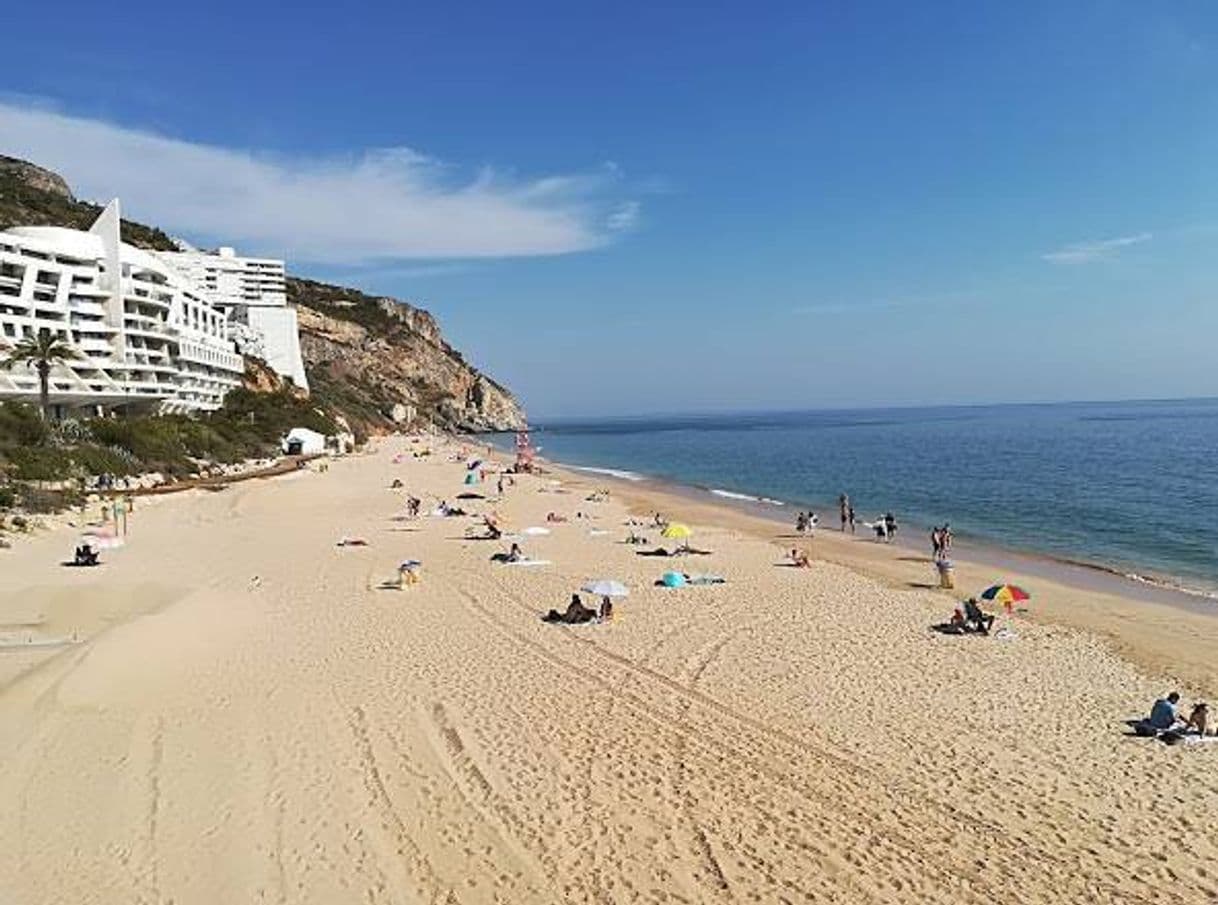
{"x":146,"y":337}
{"x":253,"y":294}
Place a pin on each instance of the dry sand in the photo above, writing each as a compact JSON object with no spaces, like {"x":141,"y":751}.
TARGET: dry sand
{"x":248,"y":718}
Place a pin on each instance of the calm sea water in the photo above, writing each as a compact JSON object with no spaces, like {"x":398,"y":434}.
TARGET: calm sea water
{"x":1131,"y":486}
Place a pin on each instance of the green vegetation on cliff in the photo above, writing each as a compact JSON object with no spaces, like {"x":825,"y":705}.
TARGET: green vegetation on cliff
{"x":249,"y":426}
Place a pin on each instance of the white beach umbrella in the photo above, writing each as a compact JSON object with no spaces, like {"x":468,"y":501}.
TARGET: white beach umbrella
{"x":606,"y":587}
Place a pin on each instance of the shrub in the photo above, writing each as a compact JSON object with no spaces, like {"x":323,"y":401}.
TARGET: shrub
{"x":21,"y":425}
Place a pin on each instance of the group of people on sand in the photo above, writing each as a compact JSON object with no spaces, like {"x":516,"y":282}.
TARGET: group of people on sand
{"x":941,"y":542}
{"x":806,"y":522}
{"x":846,"y":510}
{"x":885,"y":527}
{"x":1165,"y":718}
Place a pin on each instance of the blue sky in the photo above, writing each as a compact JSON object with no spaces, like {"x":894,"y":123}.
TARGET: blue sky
{"x":626,"y":209}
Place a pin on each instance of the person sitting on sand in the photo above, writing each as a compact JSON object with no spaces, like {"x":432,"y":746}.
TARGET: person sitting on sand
{"x":800,"y":559}
{"x":1166,"y":712}
{"x":1199,"y":719}
{"x":576,"y":613}
{"x":515,"y":554}
{"x":85,"y":556}
{"x":606,"y":611}
{"x":975,"y":619}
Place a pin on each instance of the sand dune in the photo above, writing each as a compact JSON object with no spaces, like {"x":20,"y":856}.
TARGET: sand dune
{"x":249,"y":718}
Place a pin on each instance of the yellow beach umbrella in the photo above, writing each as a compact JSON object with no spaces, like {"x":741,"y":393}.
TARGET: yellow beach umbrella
{"x":676,"y":531}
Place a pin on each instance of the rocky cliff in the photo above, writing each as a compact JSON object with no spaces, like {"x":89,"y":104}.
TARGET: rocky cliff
{"x":383,"y":361}
{"x":376,"y":362}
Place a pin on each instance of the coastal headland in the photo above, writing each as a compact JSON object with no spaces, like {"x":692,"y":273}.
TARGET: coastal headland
{"x":236,"y":706}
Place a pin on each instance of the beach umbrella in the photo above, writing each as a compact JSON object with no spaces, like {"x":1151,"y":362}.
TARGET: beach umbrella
{"x":676,"y":531}
{"x":1006,"y":594}
{"x":471,"y":478}
{"x":606,"y":587}
{"x":673,"y":580}
{"x":474,"y":463}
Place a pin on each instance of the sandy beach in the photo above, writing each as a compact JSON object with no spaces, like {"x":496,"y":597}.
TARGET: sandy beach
{"x":242,"y":714}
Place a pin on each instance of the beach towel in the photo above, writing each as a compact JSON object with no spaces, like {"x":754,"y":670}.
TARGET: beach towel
{"x":706,"y":579}
{"x":529,"y":562}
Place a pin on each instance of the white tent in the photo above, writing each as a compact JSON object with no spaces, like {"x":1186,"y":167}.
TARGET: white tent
{"x":305,"y":442}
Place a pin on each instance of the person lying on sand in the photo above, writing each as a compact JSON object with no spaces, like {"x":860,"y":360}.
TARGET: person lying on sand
{"x":515,"y":554}
{"x":800,"y":559}
{"x":635,"y":539}
{"x":555,"y":517}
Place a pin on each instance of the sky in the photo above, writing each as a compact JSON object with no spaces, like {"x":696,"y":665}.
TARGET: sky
{"x":634,"y":207}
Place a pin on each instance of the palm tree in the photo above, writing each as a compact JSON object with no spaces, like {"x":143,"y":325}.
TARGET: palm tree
{"x":42,"y":352}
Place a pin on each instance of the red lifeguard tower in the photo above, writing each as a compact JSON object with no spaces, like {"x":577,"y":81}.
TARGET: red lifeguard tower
{"x":524,"y":451}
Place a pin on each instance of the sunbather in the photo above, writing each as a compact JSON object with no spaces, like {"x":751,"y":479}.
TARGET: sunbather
{"x":975,"y":619}
{"x":85,"y":556}
{"x":800,"y":559}
{"x":575,"y":614}
{"x":1165,"y":713}
{"x":1199,"y":719}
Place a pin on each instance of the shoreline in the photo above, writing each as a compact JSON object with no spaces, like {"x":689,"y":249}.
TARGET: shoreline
{"x":1147,"y":586}
{"x":1144,"y":624}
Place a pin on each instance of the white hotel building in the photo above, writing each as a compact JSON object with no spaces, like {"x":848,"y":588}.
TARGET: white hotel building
{"x":252,"y":292}
{"x":147,"y":338}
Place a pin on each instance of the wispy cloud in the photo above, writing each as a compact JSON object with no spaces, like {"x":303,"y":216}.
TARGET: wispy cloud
{"x":1096,"y":250}
{"x":377,"y":205}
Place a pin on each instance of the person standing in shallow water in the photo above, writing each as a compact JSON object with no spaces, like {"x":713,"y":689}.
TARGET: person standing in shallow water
{"x":850,"y":513}
{"x":844,"y":507}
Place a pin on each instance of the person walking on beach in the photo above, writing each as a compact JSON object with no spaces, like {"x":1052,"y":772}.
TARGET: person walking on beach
{"x":850,"y":518}
{"x":843,"y":505}
{"x":936,"y":543}
{"x":945,"y":540}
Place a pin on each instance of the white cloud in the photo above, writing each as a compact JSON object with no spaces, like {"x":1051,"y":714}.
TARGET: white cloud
{"x":1096,"y":250}
{"x":623,"y":217}
{"x":377,"y":205}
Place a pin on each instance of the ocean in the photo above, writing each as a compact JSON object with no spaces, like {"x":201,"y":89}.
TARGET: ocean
{"x":1127,"y":486}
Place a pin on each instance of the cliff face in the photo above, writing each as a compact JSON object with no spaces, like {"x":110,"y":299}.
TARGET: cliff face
{"x":375,"y":362}
{"x":385,"y":362}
